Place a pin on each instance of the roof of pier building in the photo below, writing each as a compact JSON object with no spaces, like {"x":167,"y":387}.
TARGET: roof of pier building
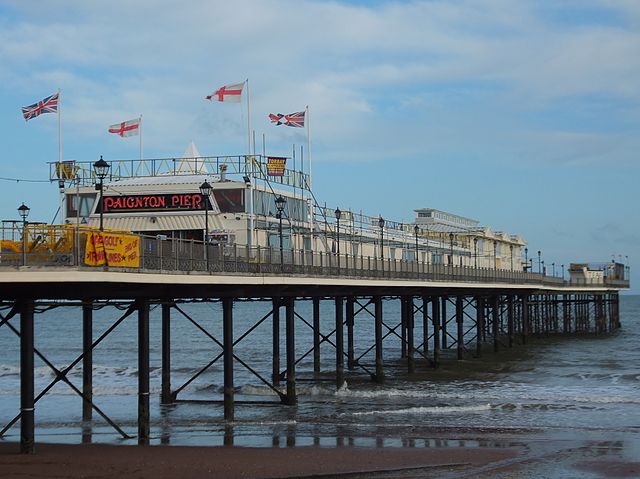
{"x":444,"y":222}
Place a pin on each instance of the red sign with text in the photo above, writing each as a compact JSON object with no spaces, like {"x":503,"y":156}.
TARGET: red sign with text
{"x":163,"y":202}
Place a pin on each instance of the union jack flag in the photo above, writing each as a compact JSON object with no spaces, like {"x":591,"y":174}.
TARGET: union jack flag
{"x":295,"y":120}
{"x":48,"y":105}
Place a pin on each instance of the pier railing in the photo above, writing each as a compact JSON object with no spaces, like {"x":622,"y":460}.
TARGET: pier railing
{"x":67,"y":247}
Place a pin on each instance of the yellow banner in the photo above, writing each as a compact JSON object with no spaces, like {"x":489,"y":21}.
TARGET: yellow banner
{"x":112,"y":249}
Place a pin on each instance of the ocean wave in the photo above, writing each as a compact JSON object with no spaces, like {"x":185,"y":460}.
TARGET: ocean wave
{"x":478,"y":408}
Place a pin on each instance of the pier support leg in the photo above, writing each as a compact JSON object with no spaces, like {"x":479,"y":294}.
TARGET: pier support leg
{"x":165,"y":394}
{"x":411,"y":361}
{"x":403,"y":327}
{"x":525,"y":317}
{"x":227,"y":343}
{"x":87,"y":359}
{"x":291,"y":398}
{"x":443,"y":316}
{"x":275,"y":341}
{"x":460,"y":327}
{"x":425,"y":324}
{"x":316,"y":336}
{"x":27,"y":411}
{"x":510,"y":327}
{"x":377,"y":305}
{"x":435,"y":318}
{"x":479,"y":325}
{"x":495,"y":315}
{"x":351,"y":362}
{"x":143,"y":372}
{"x":339,"y":343}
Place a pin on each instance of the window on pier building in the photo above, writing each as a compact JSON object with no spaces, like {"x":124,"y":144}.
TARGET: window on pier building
{"x":230,"y":200}
{"x":264,"y":205}
{"x":84,"y":200}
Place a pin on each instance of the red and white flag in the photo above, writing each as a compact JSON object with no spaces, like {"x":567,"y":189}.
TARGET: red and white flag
{"x":230,"y":93}
{"x":126,"y":128}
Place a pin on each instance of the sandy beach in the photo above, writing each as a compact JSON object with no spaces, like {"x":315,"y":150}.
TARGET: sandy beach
{"x":160,"y":462}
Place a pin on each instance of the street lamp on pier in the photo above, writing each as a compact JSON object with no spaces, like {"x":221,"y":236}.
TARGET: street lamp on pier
{"x":416,"y":229}
{"x":205,"y":192}
{"x":338,"y":216}
{"x":450,"y":249}
{"x":475,"y":252}
{"x":553,"y":269}
{"x":280,"y":203}
{"x":562,"y":272}
{"x":495,"y":254}
{"x":24,"y":212}
{"x":544,"y":271}
{"x":539,"y":262}
{"x":101,"y":169}
{"x":511,"y":250}
{"x":381,"y":225}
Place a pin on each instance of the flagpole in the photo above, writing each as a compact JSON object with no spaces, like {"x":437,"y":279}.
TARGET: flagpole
{"x":250,"y":167}
{"x":141,"y":137}
{"x":59,"y":129}
{"x":308,"y":123}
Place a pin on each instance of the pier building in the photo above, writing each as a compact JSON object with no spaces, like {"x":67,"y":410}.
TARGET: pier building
{"x":136,"y":234}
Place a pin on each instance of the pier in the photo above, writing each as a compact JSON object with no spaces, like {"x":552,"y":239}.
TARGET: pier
{"x":448,"y":312}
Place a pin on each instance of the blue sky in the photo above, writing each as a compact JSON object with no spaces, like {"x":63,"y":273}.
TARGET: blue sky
{"x":522,"y":114}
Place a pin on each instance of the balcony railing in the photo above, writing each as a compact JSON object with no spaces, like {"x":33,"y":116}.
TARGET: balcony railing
{"x":65,"y":247}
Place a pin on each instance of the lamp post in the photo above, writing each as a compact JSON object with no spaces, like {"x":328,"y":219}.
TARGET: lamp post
{"x":205,"y":192}
{"x":562,"y":272}
{"x":338,"y":216}
{"x":544,"y":272}
{"x":553,"y":269}
{"x":511,"y":251}
{"x":416,"y":229}
{"x":450,"y":249}
{"x":101,"y":169}
{"x":526,"y":258}
{"x":539,"y":262}
{"x":24,"y":212}
{"x":280,"y":203}
{"x":495,"y":256}
{"x":475,"y":252}
{"x":381,"y":225}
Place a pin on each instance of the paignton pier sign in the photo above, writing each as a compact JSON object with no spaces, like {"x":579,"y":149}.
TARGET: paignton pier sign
{"x":154,"y":202}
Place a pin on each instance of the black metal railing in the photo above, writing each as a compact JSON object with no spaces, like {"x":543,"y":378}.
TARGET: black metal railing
{"x":161,"y":254}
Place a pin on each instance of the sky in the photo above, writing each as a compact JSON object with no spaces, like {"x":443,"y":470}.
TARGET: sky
{"x":524,"y":115}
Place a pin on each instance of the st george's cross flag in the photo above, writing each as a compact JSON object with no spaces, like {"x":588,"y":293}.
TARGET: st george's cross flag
{"x":48,"y":105}
{"x":295,"y":120}
{"x":230,"y":93}
{"x":126,"y":128}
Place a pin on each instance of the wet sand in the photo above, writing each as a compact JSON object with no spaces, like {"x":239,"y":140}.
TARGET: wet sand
{"x":160,"y":462}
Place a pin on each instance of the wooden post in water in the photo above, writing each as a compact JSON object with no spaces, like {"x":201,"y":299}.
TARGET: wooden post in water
{"x":425,"y":324}
{"x":510,"y":328}
{"x":165,"y":395}
{"x":377,"y":305}
{"x":143,"y":372}
{"x":339,"y":343}
{"x":351,"y":363}
{"x":27,"y":404}
{"x":87,"y":359}
{"x":443,"y":316}
{"x":460,"y":326}
{"x":291,"y":398}
{"x":496,"y":322}
{"x":525,"y":317}
{"x":435,"y":319}
{"x":227,"y":343}
{"x":275,"y":341}
{"x":316,"y":335}
{"x":479,"y":325}
{"x":411,"y":362}
{"x":403,"y":327}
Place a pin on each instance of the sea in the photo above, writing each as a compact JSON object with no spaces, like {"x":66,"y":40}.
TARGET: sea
{"x":583,"y":388}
